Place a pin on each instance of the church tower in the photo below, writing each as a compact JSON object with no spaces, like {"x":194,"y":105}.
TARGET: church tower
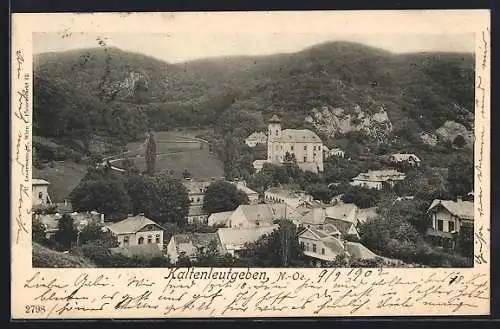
{"x":274,"y":140}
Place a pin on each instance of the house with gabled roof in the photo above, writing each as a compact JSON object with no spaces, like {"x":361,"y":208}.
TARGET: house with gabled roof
{"x":39,"y":192}
{"x":190,"y":244}
{"x":234,"y":240}
{"x":378,"y":179}
{"x":255,"y":215}
{"x":405,"y":158}
{"x":256,"y":138}
{"x":324,"y":244}
{"x":447,"y":217}
{"x":137,"y":230}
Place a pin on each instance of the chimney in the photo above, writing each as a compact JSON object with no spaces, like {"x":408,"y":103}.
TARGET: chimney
{"x":459,"y":199}
{"x":102,"y":218}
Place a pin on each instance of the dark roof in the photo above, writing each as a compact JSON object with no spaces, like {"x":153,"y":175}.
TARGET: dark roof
{"x":342,"y":225}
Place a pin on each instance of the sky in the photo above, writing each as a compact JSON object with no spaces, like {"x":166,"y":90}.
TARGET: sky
{"x":180,"y":47}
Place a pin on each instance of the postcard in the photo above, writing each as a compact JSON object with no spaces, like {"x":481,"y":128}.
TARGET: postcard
{"x":250,"y":164}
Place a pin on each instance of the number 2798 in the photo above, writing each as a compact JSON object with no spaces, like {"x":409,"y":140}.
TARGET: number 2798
{"x":35,"y":309}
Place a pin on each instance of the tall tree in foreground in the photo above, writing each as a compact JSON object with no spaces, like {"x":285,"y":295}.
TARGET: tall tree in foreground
{"x":169,"y":201}
{"x":278,"y":249}
{"x":150,"y":155}
{"x":223,"y":196}
{"x":66,"y":234}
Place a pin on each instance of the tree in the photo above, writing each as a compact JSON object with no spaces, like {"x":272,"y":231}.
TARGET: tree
{"x":37,"y":231}
{"x":291,"y":166}
{"x":319,"y":192}
{"x":169,"y":201}
{"x":211,"y":257}
{"x":465,"y":243}
{"x":277,"y":249}
{"x":461,"y":174}
{"x":94,"y":232}
{"x":106,"y":195}
{"x":150,"y":155}
{"x":66,"y":234}
{"x":223,"y":196}
{"x":361,"y":197}
{"x":276,"y":172}
{"x":140,"y":189}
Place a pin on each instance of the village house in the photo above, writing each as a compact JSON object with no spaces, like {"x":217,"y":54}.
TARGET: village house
{"x":336,"y":152}
{"x":257,"y":215}
{"x":293,"y":198}
{"x":256,"y":138}
{"x":447,"y":217}
{"x":196,"y":214}
{"x":378,"y":179}
{"x":324,"y":244}
{"x":219,"y":218}
{"x":196,"y":191}
{"x":39,"y":191}
{"x":137,"y":230}
{"x":253,"y":197}
{"x":258,"y":165}
{"x":190,"y":244}
{"x":405,"y":158}
{"x":342,"y":216}
{"x":304,"y":144}
{"x":80,"y":221}
{"x":234,"y":240}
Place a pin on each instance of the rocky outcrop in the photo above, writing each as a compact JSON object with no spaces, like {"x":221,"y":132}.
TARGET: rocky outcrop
{"x":336,"y":121}
{"x":451,"y":130}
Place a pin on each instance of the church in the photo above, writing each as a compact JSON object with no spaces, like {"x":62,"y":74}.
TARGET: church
{"x":303,"y":143}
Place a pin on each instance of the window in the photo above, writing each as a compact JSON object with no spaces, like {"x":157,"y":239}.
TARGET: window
{"x":291,"y":148}
{"x":141,"y":240}
{"x":305,"y":159}
{"x":302,"y":245}
{"x":305,"y":147}
{"x":40,"y":195}
{"x":307,"y":246}
{"x":197,"y":199}
{"x":191,"y":199}
{"x":322,"y":251}
{"x":314,"y":147}
{"x":440,"y":225}
{"x":157,"y":238}
{"x":314,"y":247}
{"x":276,"y":132}
{"x":451,"y":226}
{"x":126,"y":241}
{"x":150,"y":239}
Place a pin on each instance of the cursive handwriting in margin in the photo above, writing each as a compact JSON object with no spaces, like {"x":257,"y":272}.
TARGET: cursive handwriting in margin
{"x":250,"y":292}
{"x":22,"y":111}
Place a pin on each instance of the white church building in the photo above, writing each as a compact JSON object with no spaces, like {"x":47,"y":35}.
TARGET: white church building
{"x":303,"y":143}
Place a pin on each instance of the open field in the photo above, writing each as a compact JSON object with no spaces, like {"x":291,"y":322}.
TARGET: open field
{"x":63,"y":178}
{"x":176,"y":151}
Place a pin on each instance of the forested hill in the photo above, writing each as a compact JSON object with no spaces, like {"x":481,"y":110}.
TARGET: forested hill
{"x":109,"y":92}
